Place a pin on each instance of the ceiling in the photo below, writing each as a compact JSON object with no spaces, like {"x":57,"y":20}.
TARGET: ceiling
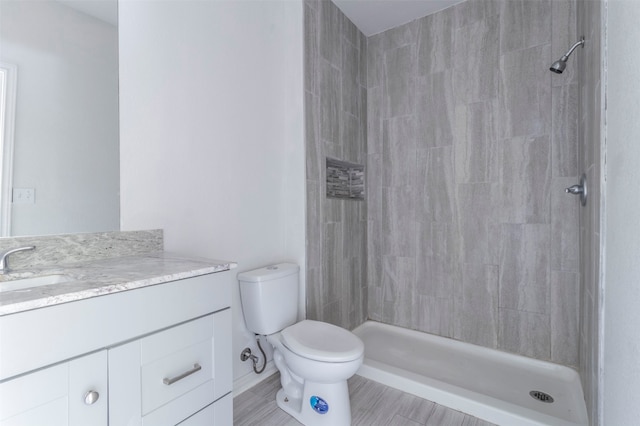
{"x":370,"y":16}
{"x":375,"y":16}
{"x":104,"y":10}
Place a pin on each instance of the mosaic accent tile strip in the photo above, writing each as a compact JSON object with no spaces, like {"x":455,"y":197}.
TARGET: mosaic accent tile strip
{"x":345,"y":180}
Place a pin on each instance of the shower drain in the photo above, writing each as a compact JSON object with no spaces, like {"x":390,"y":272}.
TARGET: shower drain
{"x":541,"y":396}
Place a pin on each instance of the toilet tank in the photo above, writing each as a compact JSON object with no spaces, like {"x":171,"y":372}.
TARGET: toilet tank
{"x":269,"y":297}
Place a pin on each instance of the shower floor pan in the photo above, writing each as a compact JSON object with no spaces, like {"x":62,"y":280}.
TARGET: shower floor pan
{"x":495,"y":386}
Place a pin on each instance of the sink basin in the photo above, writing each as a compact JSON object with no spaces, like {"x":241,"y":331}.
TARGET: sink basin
{"x":29,"y":283}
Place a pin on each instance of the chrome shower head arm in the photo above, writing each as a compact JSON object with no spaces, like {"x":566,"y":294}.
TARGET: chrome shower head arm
{"x":578,"y":43}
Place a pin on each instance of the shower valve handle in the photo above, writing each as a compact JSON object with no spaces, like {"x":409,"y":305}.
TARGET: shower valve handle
{"x":575,"y":189}
{"x":579,"y":189}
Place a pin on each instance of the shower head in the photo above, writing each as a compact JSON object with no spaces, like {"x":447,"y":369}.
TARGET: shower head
{"x":559,"y":65}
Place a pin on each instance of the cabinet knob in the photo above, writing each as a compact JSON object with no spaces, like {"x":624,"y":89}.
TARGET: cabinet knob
{"x":91,"y":397}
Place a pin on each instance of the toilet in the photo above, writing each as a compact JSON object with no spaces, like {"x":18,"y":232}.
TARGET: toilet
{"x":314,"y":358}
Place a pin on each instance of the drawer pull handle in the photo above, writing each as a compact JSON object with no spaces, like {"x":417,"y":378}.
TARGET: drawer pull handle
{"x":170,"y":381}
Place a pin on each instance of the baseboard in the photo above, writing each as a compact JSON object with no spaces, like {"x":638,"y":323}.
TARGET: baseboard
{"x":248,"y":381}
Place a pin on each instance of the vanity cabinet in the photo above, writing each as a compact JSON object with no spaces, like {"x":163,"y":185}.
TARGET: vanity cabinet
{"x":154,"y":356}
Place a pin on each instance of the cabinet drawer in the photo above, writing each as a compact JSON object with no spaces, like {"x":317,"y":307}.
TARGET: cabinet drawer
{"x":204,"y":417}
{"x":175,"y":362}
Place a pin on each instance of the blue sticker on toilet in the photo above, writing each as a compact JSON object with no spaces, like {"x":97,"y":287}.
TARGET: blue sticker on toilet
{"x":319,"y":405}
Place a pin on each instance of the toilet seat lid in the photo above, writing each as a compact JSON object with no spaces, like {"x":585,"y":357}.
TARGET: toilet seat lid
{"x":322,"y":342}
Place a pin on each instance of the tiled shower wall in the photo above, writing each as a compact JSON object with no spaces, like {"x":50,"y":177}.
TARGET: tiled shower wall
{"x":335,"y":115}
{"x":471,"y":141}
{"x":589,"y":66}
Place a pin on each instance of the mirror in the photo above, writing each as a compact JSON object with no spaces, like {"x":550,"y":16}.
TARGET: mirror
{"x":60,"y":150}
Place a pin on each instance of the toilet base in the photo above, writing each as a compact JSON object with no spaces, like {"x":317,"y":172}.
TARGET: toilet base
{"x":332,"y":406}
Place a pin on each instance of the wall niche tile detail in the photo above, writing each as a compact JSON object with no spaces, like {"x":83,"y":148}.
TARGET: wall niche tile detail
{"x":345,"y":180}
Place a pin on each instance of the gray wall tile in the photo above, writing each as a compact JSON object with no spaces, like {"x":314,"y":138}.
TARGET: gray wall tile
{"x":477,"y":319}
{"x":525,"y":180}
{"x":374,"y":120}
{"x":315,"y":235}
{"x":398,"y":278}
{"x":436,"y":268}
{"x":399,"y":81}
{"x":435,"y":110}
{"x":333,"y":209}
{"x":564,"y":228}
{"x":400,"y":36}
{"x":362,"y":61}
{"x":564,"y":131}
{"x":374,"y":297}
{"x":313,"y":146}
{"x":437,"y":185}
{"x":330,"y":29}
{"x":511,"y":25}
{"x":399,"y":151}
{"x":525,"y":333}
{"x":398,"y":221}
{"x":374,"y":172}
{"x":524,"y":24}
{"x":477,"y":51}
{"x":315,"y":297}
{"x":470,"y":11}
{"x":375,"y":61}
{"x":475,"y":147}
{"x":524,"y":268}
{"x":564,"y":317}
{"x":477,"y":211}
{"x":526,"y":92}
{"x":329,"y":86}
{"x":350,"y":74}
{"x":435,"y":42}
{"x":332,"y":259}
{"x":537,"y":22}
{"x":354,"y":231}
{"x":351,"y":139}
{"x":434,"y":315}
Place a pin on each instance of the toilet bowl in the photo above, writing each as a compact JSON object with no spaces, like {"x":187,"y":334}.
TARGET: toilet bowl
{"x":314,"y":358}
{"x":314,"y":377}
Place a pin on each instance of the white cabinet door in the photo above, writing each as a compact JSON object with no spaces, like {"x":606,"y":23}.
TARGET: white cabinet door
{"x":73,"y":393}
{"x":88,"y":392}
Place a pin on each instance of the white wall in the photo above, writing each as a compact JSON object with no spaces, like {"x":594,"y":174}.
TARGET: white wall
{"x":621,"y":367}
{"x":212,"y":146}
{"x":66,"y":129}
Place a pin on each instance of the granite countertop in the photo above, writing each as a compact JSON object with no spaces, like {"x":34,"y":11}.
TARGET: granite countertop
{"x":102,"y":277}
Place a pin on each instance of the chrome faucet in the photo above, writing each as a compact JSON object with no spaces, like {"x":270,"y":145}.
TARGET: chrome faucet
{"x":4,"y":257}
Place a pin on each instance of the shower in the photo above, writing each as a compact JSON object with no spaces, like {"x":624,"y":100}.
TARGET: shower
{"x":559,"y":65}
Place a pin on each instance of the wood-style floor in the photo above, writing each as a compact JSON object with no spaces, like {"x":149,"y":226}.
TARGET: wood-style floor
{"x":372,"y":404}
